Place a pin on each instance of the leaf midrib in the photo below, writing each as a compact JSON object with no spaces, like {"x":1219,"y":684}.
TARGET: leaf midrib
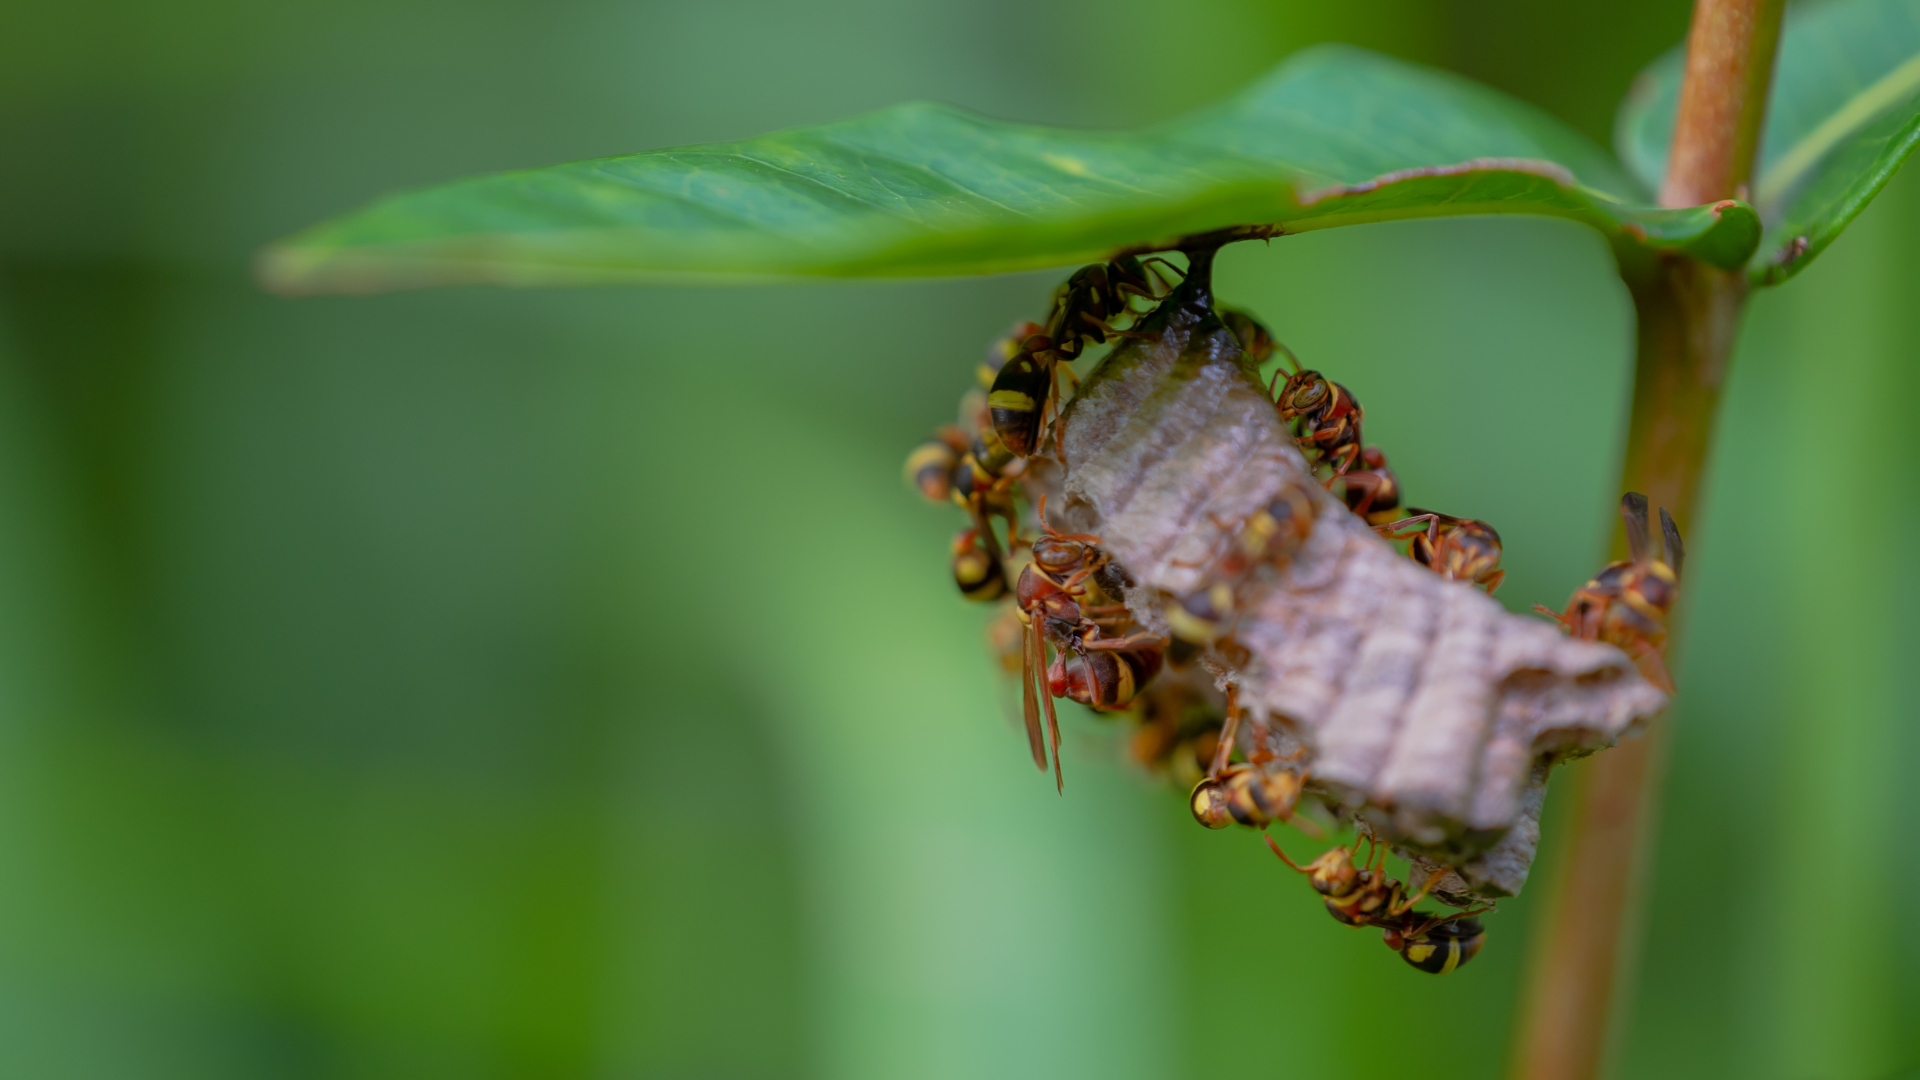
{"x":1860,"y":110}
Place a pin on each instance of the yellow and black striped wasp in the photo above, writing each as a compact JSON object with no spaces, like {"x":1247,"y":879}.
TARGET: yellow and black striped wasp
{"x":1627,"y":603}
{"x":1435,"y":944}
{"x":1326,"y":416}
{"x":1270,"y":536}
{"x":1366,"y":895}
{"x":1255,"y":793}
{"x":1026,"y":388}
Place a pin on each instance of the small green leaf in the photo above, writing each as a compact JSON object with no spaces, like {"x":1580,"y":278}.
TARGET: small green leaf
{"x":1843,"y":115}
{"x":1334,"y":136}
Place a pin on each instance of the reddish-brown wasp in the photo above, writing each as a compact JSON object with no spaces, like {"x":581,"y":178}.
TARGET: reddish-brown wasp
{"x":1627,"y":603}
{"x":1327,"y":416}
{"x":1026,"y":387}
{"x":1459,"y":549}
{"x":1057,"y":594}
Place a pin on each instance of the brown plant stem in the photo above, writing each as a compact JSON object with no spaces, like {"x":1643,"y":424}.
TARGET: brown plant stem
{"x":1688,"y":318}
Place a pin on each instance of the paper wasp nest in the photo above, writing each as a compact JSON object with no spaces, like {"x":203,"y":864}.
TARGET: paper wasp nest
{"x":1424,"y":708}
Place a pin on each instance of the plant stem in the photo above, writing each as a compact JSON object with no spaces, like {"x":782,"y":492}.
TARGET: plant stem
{"x":1688,"y":318}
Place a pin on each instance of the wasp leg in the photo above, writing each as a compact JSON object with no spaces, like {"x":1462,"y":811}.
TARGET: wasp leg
{"x":1125,"y":643}
{"x":1053,"y":729}
{"x":1229,"y":730}
{"x":1407,"y":905}
{"x":1653,"y":666}
{"x":1369,"y":483}
{"x":1449,"y":917}
{"x":1346,"y":457}
{"x":1312,"y":831}
{"x":1429,"y":524}
{"x":1283,"y":855}
{"x":1493,"y":580}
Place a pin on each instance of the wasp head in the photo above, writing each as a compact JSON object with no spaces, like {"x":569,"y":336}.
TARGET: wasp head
{"x":1209,"y":804}
{"x":1333,"y":874}
{"x":1304,"y":392}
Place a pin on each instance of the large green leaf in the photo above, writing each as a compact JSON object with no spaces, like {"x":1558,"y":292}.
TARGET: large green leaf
{"x":1844,"y":113}
{"x":1335,"y":136}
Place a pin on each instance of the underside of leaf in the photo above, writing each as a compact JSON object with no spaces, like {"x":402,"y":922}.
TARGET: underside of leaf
{"x":1334,"y":136}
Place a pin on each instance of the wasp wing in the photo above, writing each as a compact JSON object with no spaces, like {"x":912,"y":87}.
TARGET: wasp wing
{"x":1633,"y":510}
{"x":1029,"y":706}
{"x":1676,"y":554}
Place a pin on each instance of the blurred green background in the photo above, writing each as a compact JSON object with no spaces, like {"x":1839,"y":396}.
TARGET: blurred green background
{"x":492,"y":684}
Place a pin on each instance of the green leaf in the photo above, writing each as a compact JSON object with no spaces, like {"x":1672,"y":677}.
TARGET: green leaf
{"x":1843,"y":115}
{"x":1334,"y":136}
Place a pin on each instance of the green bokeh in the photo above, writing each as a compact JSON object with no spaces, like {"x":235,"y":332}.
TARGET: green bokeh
{"x":491,"y":684}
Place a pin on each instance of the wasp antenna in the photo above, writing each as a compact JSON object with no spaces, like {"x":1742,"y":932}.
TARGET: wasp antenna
{"x":1676,"y":553}
{"x":1288,"y":353}
{"x":1633,"y":510}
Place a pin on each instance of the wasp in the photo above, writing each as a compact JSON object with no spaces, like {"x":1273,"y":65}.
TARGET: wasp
{"x":1326,"y":413}
{"x":1459,"y":549}
{"x":1084,"y":310}
{"x":1627,"y":603}
{"x":976,"y":569}
{"x":930,"y":466}
{"x":1270,"y":535}
{"x":1253,"y":795}
{"x":1436,"y":944}
{"x":1256,"y":341}
{"x":1055,"y":604}
{"x":1177,"y":730}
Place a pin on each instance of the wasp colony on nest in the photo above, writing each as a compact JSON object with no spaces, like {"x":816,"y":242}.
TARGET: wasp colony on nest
{"x":1219,"y":561}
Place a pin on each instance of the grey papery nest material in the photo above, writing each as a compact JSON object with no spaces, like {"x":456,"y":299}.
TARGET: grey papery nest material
{"x":1425,"y":709}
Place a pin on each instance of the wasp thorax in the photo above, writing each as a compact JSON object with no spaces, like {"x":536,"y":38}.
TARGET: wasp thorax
{"x":1333,"y":874}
